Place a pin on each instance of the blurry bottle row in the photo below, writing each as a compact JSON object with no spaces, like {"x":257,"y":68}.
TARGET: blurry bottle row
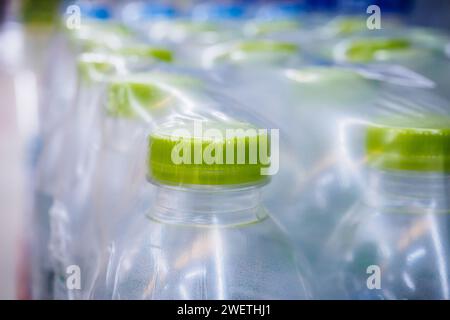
{"x":223,"y":158}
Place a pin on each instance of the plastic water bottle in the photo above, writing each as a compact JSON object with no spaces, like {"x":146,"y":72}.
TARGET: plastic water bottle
{"x":68,"y":162}
{"x":395,"y":243}
{"x":319,"y":100}
{"x":134,"y":104}
{"x":415,"y":50}
{"x":77,"y":148}
{"x":258,"y":53}
{"x":206,"y":236}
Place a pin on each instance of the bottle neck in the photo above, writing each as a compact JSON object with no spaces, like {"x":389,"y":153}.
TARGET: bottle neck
{"x":409,"y":192}
{"x":207,"y":206}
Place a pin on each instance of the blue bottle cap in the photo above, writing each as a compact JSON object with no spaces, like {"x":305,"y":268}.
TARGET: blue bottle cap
{"x":143,"y":11}
{"x":289,"y":9}
{"x":219,"y":11}
{"x":96,"y":11}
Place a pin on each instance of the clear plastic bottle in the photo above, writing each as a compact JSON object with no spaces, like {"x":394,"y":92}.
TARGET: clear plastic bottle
{"x":395,"y":243}
{"x":77,"y":148}
{"x":313,"y":121}
{"x":206,"y":235}
{"x":99,"y":206}
{"x":404,"y":48}
{"x":97,"y":141}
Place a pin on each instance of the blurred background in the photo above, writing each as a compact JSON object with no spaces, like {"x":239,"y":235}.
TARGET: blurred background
{"x":22,"y":63}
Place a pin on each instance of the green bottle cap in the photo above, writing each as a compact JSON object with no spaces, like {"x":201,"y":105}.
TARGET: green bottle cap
{"x":350,"y":25}
{"x":116,"y":39}
{"x":93,"y":35}
{"x":223,"y":154}
{"x":94,"y":67}
{"x":367,"y":50}
{"x":345,"y":87}
{"x":257,"y":46}
{"x":134,"y":97}
{"x":190,"y":26}
{"x":271,"y":26}
{"x":138,"y":95}
{"x":145,"y":51}
{"x":257,"y":51}
{"x":413,"y":144}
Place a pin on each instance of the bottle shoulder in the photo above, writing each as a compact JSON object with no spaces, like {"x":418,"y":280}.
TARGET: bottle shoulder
{"x":158,"y":260}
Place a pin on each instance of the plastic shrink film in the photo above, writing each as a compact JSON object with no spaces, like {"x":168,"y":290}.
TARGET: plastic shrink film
{"x":318,"y":104}
{"x":66,"y":161}
{"x":344,"y":131}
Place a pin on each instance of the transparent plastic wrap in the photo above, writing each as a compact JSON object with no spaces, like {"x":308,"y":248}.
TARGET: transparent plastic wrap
{"x":92,"y":69}
{"x":271,"y":27}
{"x":93,"y":33}
{"x":136,"y":103}
{"x":91,"y":218}
{"x":141,"y":15}
{"x":309,"y":121}
{"x":249,"y":72}
{"x":318,"y":100}
{"x":287,"y":22}
{"x":205,"y":235}
{"x":193,"y":37}
{"x":308,"y":103}
{"x":392,"y":244}
{"x":419,"y":49}
{"x":67,"y":162}
{"x":37,"y":31}
{"x":162,"y":23}
{"x":85,"y":215}
{"x":255,"y":52}
{"x":62,"y":161}
{"x":266,"y":162}
{"x":350,"y":25}
{"x":290,"y":94}
{"x":115,"y":38}
{"x":62,"y":76}
{"x":74,"y":37}
{"x":403,"y":50}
